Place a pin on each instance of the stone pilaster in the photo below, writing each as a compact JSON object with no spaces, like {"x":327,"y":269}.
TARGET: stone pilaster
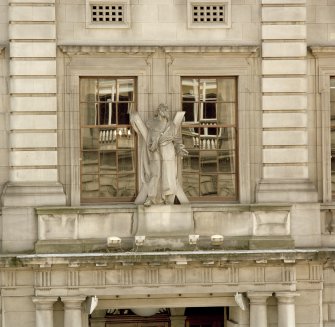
{"x":177,"y":321}
{"x":44,"y":311}
{"x":286,"y":309}
{"x":258,"y":308}
{"x":73,"y":310}
{"x":284,"y":103}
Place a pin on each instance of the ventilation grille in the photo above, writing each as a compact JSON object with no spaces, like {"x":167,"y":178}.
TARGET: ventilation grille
{"x":208,"y":14}
{"x":107,"y":13}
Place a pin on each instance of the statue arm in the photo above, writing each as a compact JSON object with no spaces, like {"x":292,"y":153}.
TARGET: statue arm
{"x":137,"y":124}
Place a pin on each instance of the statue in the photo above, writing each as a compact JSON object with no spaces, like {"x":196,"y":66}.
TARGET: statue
{"x":159,"y":157}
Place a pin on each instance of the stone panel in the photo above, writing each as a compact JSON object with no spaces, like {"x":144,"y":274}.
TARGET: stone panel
{"x":33,"y":175}
{"x":33,"y":140}
{"x":33,"y":122}
{"x":284,"y":49}
{"x":285,"y":172}
{"x":288,"y":84}
{"x":285,"y":155}
{"x":29,"y":103}
{"x":284,"y":67}
{"x":33,"y":67}
{"x":33,"y":85}
{"x":33,"y":158}
{"x":284,"y":138}
{"x":283,"y":14}
{"x":31,"y":13}
{"x":32,"y":49}
{"x":277,"y":120}
{"x":283,"y":32}
{"x":284,"y":102}
{"x":39,"y":31}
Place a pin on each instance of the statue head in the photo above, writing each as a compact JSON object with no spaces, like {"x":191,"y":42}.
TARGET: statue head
{"x":162,"y":110}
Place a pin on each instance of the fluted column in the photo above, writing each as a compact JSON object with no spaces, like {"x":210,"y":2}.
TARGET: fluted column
{"x":286,"y":309}
{"x":258,"y":308}
{"x":44,"y":311}
{"x":72,"y":310}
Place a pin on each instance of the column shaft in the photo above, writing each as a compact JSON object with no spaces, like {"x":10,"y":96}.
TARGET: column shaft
{"x":44,"y":311}
{"x":72,"y":311}
{"x":286,"y":309}
{"x":258,"y":309}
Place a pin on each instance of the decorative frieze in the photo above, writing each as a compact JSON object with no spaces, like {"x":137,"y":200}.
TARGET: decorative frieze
{"x":180,"y":276}
{"x":43,"y":279}
{"x":260,"y":275}
{"x":73,"y":278}
{"x":100,"y":277}
{"x":9,"y":278}
{"x":233,"y":275}
{"x":288,"y":274}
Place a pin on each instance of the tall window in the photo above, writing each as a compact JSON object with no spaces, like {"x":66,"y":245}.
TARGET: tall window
{"x":332,"y":131}
{"x":210,"y":136}
{"x":108,"y":157}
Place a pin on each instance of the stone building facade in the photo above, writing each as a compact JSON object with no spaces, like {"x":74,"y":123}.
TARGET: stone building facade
{"x":253,"y":245}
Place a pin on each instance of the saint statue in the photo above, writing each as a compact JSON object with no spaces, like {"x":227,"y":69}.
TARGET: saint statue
{"x":159,"y":157}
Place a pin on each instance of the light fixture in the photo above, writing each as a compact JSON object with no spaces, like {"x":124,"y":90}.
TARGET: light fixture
{"x":113,"y":241}
{"x":240,"y":300}
{"x":91,"y":304}
{"x":139,"y":240}
{"x":145,"y":312}
{"x":217,"y":239}
{"x":193,"y":239}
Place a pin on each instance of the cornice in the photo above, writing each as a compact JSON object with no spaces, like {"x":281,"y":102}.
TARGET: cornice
{"x":322,"y":51}
{"x":106,"y":49}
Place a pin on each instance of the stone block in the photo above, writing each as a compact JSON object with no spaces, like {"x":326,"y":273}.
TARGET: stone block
{"x":283,"y":2}
{"x":33,"y":175}
{"x":283,"y":14}
{"x":233,"y":223}
{"x":285,"y":172}
{"x":58,"y":226}
{"x":33,"y":140}
{"x":33,"y":85}
{"x":288,"y":84}
{"x":277,"y":120}
{"x":325,"y":14}
{"x":33,"y":158}
{"x":283,"y":32}
{"x":31,"y":13}
{"x":32,"y":67}
{"x":288,"y":155}
{"x":165,"y":220}
{"x":284,"y":49}
{"x":284,"y":138}
{"x":30,"y":103}
{"x":32,"y":49}
{"x":284,"y":102}
{"x":284,"y":67}
{"x":35,"y":31}
{"x":271,"y":223}
{"x":33,"y":122}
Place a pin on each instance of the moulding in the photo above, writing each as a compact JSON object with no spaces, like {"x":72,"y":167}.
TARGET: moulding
{"x":2,"y":48}
{"x":322,"y":51}
{"x":106,"y":49}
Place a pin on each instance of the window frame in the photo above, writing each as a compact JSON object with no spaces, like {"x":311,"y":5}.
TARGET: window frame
{"x":216,"y":198}
{"x":100,"y":199}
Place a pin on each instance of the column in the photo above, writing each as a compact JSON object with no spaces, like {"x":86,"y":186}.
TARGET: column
{"x":286,"y":309}
{"x":44,"y":311}
{"x":72,"y":310}
{"x":258,"y":308}
{"x":284,"y":103}
{"x":177,"y":321}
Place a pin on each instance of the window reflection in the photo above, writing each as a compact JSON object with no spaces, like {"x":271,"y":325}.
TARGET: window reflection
{"x":209,"y":134}
{"x":107,"y":139}
{"x":332,"y":133}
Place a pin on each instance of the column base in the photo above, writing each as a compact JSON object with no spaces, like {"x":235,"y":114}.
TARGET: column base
{"x":299,"y":190}
{"x":32,"y":195}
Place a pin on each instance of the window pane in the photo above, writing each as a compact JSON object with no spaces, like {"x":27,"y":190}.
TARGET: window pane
{"x":107,"y":90}
{"x":191,"y":162}
{"x":126,"y":185}
{"x":107,"y":111}
{"x":88,"y":88}
{"x":123,"y":116}
{"x":88,"y":114}
{"x":208,"y":90}
{"x":90,"y":162}
{"x":108,"y":185}
{"x":126,"y":90}
{"x":107,"y":139}
{"x":208,"y":112}
{"x":125,"y":137}
{"x":126,"y":161}
{"x":227,"y":185}
{"x":226,"y":90}
{"x":226,"y":113}
{"x":226,"y":138}
{"x":90,"y":185}
{"x":190,"y":89}
{"x":90,"y":138}
{"x":191,"y":184}
{"x":208,"y":185}
{"x":226,"y":161}
{"x":191,"y":112}
{"x":190,"y":137}
{"x":108,"y":162}
{"x":208,"y":161}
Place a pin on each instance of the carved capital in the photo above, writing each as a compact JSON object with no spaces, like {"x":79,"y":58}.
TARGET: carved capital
{"x":44,"y":302}
{"x":258,"y":298}
{"x":73,"y":302}
{"x":286,"y":297}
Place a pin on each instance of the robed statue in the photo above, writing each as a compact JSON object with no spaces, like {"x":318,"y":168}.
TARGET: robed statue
{"x":159,"y":157}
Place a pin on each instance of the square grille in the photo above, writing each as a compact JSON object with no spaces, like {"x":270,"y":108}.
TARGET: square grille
{"x":208,"y":13}
{"x":107,"y":13}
